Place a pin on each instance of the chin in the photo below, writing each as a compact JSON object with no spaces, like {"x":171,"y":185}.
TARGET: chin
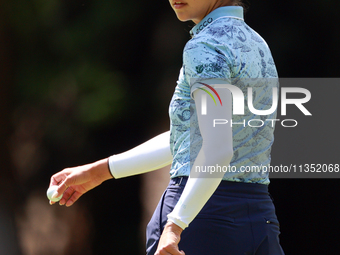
{"x":183,"y":18}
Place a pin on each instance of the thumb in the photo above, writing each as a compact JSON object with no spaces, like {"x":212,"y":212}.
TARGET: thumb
{"x":182,"y":252}
{"x":63,"y":186}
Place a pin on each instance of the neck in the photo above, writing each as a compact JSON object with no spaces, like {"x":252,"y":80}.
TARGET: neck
{"x":216,"y":5}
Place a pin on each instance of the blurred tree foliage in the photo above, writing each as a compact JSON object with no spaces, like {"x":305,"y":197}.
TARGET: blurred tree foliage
{"x":77,"y":74}
{"x":60,"y":64}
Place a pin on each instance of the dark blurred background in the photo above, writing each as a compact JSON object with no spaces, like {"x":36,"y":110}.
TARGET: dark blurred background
{"x":81,"y":80}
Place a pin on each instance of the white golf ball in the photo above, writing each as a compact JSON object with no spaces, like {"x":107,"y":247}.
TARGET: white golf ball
{"x":51,"y":190}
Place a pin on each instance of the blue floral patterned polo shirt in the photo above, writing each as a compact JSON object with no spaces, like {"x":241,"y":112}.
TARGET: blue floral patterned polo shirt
{"x":224,"y":47}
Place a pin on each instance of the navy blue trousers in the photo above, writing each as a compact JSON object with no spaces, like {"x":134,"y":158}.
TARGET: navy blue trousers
{"x":239,"y":219}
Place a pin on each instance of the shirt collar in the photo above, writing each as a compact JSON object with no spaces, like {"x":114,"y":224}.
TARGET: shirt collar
{"x":225,"y":11}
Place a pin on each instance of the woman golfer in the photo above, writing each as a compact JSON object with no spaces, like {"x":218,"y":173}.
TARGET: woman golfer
{"x":221,"y":133}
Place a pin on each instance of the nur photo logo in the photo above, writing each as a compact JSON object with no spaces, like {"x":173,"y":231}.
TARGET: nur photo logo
{"x":239,"y":101}
{"x":204,"y":98}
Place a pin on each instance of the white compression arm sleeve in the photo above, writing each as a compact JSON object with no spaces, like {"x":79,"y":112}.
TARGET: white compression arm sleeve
{"x":217,"y":148}
{"x":149,"y":156}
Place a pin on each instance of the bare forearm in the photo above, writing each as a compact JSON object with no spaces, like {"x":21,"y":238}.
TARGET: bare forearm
{"x":100,"y":169}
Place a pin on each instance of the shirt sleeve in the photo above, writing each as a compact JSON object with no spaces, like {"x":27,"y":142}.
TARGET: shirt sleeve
{"x":206,"y":59}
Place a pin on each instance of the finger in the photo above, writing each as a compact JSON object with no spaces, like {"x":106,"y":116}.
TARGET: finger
{"x":168,"y":251}
{"x":75,"y":196}
{"x":70,"y":197}
{"x":57,"y":178}
{"x":53,"y":181}
{"x":64,"y":185}
{"x":60,"y":191}
{"x":175,"y":251}
{"x":66,"y":195}
{"x":163,"y":252}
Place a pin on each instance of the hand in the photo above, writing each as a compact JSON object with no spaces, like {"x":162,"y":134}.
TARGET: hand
{"x":168,"y":244}
{"x":76,"y":181}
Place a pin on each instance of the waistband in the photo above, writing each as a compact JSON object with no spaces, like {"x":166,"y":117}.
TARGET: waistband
{"x":230,"y":188}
